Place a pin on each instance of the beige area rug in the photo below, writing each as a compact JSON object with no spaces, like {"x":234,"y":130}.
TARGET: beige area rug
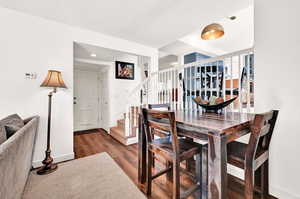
{"x":93,"y":177}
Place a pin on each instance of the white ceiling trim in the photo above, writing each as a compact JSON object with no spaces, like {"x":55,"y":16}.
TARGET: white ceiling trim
{"x":95,"y":62}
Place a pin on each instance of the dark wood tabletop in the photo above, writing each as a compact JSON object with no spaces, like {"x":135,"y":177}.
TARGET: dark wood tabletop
{"x":217,"y":130}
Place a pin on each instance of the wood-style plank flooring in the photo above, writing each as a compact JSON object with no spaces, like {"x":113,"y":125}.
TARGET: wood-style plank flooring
{"x":98,"y":141}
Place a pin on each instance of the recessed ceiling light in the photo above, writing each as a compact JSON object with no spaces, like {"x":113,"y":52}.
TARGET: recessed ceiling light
{"x":93,"y":55}
{"x":232,"y":17}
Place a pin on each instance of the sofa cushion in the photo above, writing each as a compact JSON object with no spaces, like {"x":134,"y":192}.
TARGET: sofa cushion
{"x":11,"y":129}
{"x":12,"y":123}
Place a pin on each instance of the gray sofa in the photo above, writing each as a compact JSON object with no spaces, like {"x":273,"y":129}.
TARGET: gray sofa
{"x":16,"y":160}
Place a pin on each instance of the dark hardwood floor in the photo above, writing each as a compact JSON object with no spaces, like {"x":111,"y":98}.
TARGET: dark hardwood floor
{"x":98,"y":141}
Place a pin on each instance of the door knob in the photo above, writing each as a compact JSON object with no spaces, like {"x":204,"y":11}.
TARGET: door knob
{"x":74,"y":98}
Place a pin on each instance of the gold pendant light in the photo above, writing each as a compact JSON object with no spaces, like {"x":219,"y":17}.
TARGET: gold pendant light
{"x":212,"y":31}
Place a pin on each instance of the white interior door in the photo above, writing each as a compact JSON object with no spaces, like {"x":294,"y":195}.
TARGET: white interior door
{"x":86,"y":100}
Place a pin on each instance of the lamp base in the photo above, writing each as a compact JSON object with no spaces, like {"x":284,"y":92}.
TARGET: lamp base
{"x":48,"y":166}
{"x":47,"y":169}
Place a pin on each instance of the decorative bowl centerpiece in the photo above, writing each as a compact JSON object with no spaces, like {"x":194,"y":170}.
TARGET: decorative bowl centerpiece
{"x":214,"y":104}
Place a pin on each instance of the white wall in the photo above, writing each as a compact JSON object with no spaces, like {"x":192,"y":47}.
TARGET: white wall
{"x":120,"y":89}
{"x":277,"y":69}
{"x":33,"y":44}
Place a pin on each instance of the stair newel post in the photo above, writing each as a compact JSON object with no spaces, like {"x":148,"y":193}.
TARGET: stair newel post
{"x":136,"y":116}
{"x":131,"y":120}
{"x":127,"y":122}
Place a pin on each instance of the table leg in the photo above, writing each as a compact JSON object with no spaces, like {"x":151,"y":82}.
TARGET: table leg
{"x":204,"y":172}
{"x":141,"y":154}
{"x":217,"y":167}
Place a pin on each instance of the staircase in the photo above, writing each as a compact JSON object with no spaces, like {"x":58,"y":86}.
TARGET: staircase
{"x":119,"y":132}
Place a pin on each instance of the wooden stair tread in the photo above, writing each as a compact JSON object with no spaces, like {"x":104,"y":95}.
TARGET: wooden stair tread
{"x":119,"y":134}
{"x":118,"y":130}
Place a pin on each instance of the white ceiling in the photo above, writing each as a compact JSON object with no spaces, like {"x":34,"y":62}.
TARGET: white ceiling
{"x":181,"y":48}
{"x":239,"y":34}
{"x":150,"y":22}
{"x":91,"y":67}
{"x":84,"y":51}
{"x":167,"y":61}
{"x":104,"y":57}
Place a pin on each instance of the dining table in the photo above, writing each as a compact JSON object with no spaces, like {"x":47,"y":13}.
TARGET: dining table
{"x":214,"y":129}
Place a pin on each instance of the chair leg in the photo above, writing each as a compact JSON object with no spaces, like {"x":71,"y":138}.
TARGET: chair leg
{"x":149,"y":173}
{"x":265,"y":180}
{"x":176,"y":180}
{"x":249,"y":183}
{"x":198,"y":171}
{"x":153,"y":160}
{"x":170,"y":173}
{"x":190,"y":161}
{"x":153,"y":155}
{"x":204,"y":185}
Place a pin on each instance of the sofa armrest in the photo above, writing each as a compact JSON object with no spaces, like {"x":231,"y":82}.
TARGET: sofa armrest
{"x":30,"y":118}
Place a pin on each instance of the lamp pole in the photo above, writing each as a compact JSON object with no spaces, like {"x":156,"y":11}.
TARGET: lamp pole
{"x":53,"y":80}
{"x":48,"y":166}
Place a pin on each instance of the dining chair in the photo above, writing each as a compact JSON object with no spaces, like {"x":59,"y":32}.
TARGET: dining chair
{"x":255,"y":154}
{"x":172,"y":148}
{"x":160,"y":133}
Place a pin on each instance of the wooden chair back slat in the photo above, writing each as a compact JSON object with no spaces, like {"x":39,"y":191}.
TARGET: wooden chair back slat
{"x":159,"y":126}
{"x":156,"y":114}
{"x":265,"y":130}
{"x":269,"y":115}
{"x":160,"y":106}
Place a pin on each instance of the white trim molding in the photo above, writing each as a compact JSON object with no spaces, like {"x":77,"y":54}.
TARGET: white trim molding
{"x":282,"y":194}
{"x":274,"y":191}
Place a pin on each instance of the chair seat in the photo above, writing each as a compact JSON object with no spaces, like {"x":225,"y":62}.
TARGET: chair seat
{"x":163,"y":146}
{"x":236,"y":153}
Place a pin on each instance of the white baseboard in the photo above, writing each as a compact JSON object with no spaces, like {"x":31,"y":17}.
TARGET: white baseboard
{"x":274,"y":191}
{"x":133,"y":140}
{"x":282,"y":194}
{"x":71,"y":156}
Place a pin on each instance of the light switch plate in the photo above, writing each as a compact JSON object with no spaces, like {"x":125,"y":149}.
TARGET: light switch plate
{"x":30,"y":75}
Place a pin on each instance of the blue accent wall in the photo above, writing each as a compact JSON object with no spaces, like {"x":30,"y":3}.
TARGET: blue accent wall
{"x":194,"y":57}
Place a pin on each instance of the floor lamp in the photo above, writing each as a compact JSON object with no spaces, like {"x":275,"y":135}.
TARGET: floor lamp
{"x":53,"y":80}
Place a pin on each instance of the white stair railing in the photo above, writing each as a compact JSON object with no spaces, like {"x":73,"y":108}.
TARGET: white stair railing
{"x":224,"y":76}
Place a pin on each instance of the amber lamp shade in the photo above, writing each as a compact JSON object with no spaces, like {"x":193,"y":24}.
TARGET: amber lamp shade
{"x":54,"y":80}
{"x":212,"y":31}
